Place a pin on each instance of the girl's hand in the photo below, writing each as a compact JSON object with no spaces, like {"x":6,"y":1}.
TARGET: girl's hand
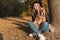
{"x":44,"y":19}
{"x":36,"y":24}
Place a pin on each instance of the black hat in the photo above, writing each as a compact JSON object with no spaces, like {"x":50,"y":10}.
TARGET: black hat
{"x":36,"y":2}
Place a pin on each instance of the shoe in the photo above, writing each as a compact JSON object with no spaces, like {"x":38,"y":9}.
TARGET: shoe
{"x":41,"y":37}
{"x":32,"y":34}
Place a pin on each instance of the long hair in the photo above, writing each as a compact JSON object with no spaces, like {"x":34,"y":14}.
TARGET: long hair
{"x":34,"y":12}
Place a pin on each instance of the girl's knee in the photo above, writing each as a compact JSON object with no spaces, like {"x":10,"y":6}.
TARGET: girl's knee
{"x":46,"y":23}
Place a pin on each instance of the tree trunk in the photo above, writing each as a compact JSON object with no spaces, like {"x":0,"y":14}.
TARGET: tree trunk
{"x":54,"y":8}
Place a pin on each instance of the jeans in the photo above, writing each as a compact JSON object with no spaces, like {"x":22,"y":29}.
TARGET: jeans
{"x":43,"y":27}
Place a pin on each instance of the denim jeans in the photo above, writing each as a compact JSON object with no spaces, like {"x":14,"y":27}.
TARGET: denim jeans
{"x":43,"y":27}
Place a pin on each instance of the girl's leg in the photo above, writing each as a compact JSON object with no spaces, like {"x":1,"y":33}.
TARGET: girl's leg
{"x":44,"y":27}
{"x":33,"y":27}
{"x":41,"y":37}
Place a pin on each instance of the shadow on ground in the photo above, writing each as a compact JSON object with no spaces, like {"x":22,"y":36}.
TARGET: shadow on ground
{"x":24,"y":27}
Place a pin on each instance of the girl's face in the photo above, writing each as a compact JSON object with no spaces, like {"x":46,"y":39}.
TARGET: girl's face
{"x":36,"y":6}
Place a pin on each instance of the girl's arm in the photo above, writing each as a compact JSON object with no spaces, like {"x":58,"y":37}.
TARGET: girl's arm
{"x":43,"y":14}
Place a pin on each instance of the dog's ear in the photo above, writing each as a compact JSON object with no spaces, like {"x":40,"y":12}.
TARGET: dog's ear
{"x":52,"y":28}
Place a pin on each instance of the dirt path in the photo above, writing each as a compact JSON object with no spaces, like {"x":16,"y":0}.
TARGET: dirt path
{"x":12,"y":29}
{"x":17,"y":29}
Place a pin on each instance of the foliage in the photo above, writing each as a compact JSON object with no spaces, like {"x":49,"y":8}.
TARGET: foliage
{"x":17,"y":7}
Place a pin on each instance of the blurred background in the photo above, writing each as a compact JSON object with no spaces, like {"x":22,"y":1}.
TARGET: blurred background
{"x":9,"y":8}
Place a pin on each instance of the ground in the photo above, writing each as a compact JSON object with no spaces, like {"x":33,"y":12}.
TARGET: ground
{"x":17,"y":28}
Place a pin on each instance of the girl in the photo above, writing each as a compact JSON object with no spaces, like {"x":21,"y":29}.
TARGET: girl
{"x":39,"y":22}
